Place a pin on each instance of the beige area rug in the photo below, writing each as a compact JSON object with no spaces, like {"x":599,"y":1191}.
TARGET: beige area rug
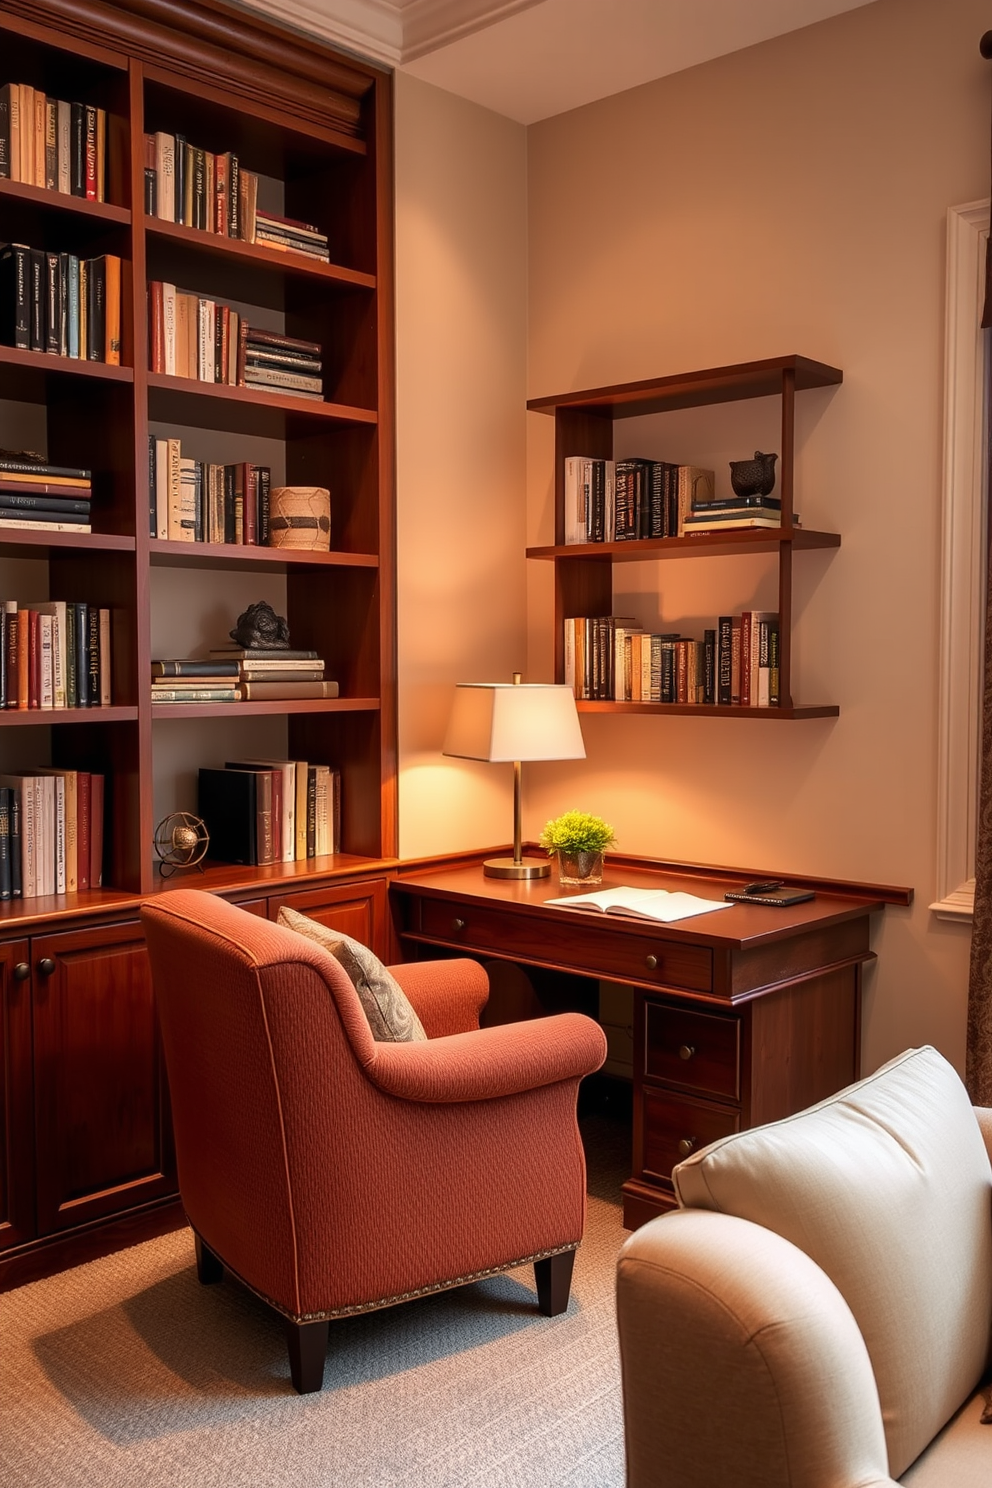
{"x":126,"y":1373}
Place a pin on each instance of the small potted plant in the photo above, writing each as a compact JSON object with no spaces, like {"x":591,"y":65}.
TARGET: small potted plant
{"x":578,"y":840}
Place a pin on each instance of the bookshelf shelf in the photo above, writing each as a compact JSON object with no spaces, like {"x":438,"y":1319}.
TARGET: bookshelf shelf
{"x":21,"y":717}
{"x":728,"y":544}
{"x":60,"y":202}
{"x":292,"y":265}
{"x":584,"y":426}
{"x":43,"y":361}
{"x":273,"y":709}
{"x":231,"y":555}
{"x":19,"y":541}
{"x":243,"y":397}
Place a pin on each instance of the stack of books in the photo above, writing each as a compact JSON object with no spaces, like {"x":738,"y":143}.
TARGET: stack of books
{"x":51,"y":833}
{"x":60,"y":303}
{"x":290,"y":236}
{"x":190,"y":681}
{"x":196,"y":501}
{"x":282,"y":364}
{"x":624,"y":500}
{"x":277,"y":675}
{"x":735,"y":514}
{"x":37,"y":496}
{"x":54,"y":655}
{"x":271,"y":811}
{"x":47,"y":142}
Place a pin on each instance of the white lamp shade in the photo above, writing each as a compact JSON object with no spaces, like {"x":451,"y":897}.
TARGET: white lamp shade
{"x":506,"y":721}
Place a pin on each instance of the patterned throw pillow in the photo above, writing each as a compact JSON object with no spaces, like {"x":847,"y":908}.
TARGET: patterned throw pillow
{"x":391,"y":1016}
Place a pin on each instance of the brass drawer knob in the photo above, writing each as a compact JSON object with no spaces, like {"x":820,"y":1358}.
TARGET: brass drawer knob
{"x":687,"y":1051}
{"x":651,"y":962}
{"x":686,"y":1145}
{"x":458,"y":924}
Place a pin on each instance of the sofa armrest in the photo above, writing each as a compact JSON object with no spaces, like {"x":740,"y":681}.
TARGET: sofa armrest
{"x":491,"y":1062}
{"x":742,"y":1363}
{"x":448,"y":996}
{"x":983,"y":1115}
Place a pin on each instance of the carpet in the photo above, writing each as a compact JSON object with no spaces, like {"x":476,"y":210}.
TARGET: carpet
{"x":127,"y":1372}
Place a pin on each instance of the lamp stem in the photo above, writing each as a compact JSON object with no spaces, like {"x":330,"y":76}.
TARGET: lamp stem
{"x":517,"y":849}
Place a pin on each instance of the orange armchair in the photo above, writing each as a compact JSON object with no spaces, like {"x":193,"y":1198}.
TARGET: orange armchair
{"x":332,"y":1174}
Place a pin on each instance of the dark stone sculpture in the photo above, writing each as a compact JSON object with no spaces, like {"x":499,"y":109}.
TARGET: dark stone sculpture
{"x":753,"y":477}
{"x":262,"y":628}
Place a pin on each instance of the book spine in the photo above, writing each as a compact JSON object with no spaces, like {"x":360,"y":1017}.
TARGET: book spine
{"x":311,"y":811}
{"x":104,"y":657}
{"x":96,"y":312}
{"x":91,"y":170}
{"x":10,"y":648}
{"x":5,"y":873}
{"x":72,"y":307}
{"x":151,"y":177}
{"x":71,"y":832}
{"x":84,"y":798}
{"x":96,"y":830}
{"x":34,"y":660}
{"x":709,"y":666}
{"x":64,"y":146}
{"x":46,"y":685}
{"x":51,"y":145}
{"x":15,"y":262}
{"x":165,"y":173}
{"x":5,"y":172}
{"x":112,"y":326}
{"x":82,"y":654}
{"x":16,"y":875}
{"x":38,"y":300}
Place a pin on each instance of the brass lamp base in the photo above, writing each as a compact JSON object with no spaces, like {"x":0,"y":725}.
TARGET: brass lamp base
{"x":507,"y":868}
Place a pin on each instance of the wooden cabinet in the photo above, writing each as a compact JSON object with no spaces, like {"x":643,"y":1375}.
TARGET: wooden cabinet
{"x":16,"y":1108}
{"x":357,"y":909}
{"x":584,"y":574}
{"x":102,"y":1132}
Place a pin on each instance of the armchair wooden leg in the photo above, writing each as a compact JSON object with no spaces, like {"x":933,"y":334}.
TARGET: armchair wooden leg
{"x":307,"y":1344}
{"x":209,"y":1268}
{"x":554,"y":1279}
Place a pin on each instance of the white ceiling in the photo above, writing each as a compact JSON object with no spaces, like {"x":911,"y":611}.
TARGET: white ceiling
{"x":530,"y":59}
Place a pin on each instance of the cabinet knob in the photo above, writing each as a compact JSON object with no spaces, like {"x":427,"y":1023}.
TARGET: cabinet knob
{"x":458,"y":924}
{"x":46,"y":966}
{"x":651,"y":962}
{"x":686,"y":1145}
{"x":21,"y":971}
{"x":687,"y":1051}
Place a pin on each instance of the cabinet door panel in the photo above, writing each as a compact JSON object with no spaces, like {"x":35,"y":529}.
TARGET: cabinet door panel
{"x":16,"y":1127}
{"x":101,"y":1108}
{"x":357,"y":909}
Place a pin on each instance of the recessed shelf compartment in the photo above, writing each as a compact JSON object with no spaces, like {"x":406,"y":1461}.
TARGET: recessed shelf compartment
{"x":260,"y":710}
{"x":258,"y":257}
{"x":726,"y":544}
{"x":232,"y":555}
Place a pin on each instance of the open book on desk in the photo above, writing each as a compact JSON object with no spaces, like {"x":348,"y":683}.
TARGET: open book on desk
{"x":664,"y":905}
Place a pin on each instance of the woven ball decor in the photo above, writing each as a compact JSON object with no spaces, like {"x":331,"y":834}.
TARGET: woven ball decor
{"x":300,"y":517}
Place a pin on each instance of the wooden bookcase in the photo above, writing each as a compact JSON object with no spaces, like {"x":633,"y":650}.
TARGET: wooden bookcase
{"x":584,"y":425}
{"x":84,"y":1126}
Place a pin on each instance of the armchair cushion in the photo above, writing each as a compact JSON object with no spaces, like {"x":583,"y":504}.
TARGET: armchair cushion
{"x":391,"y":1015}
{"x":886,"y":1186}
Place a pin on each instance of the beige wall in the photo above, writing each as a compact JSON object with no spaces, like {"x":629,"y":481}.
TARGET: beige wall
{"x":789,"y":198}
{"x":461,"y":307}
{"x":792,"y":197}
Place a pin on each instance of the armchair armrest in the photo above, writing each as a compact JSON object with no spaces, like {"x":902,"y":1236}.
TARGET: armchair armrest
{"x":448,"y":996}
{"x":983,"y":1115}
{"x":741,"y":1363}
{"x":490,"y":1062}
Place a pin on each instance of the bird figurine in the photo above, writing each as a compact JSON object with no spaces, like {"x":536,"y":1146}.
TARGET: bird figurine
{"x":753,"y":477}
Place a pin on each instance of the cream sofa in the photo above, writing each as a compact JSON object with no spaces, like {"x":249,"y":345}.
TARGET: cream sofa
{"x":817,"y":1313}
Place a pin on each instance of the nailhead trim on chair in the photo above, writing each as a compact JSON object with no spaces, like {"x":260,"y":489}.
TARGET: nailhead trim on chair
{"x":438,"y":1286}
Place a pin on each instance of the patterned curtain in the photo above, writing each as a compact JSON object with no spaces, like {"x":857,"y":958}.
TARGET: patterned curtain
{"x":979,"y":1063}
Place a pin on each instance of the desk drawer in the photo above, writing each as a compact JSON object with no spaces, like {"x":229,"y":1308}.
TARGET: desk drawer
{"x":698,"y":1051}
{"x":675,"y":1127}
{"x":569,"y":941}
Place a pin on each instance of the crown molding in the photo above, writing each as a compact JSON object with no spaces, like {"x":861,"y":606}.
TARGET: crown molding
{"x":392,"y":31}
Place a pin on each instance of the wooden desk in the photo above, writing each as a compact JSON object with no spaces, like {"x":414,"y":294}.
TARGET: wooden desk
{"x":741,"y":1016}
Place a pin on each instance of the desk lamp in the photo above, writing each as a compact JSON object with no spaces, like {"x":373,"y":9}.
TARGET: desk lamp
{"x":512,"y":722}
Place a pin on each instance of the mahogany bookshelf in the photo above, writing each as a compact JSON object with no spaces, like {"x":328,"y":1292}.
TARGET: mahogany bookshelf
{"x":316,"y":126}
{"x":584,"y":425}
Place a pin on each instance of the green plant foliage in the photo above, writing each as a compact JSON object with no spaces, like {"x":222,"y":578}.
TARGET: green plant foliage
{"x":577,"y":832}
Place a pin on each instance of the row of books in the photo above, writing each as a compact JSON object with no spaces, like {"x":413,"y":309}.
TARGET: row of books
{"x":612,"y":658}
{"x":190,"y":336}
{"x":54,"y":655}
{"x":53,"y":144}
{"x":234,"y":674}
{"x":196,"y":501}
{"x":51,"y":833}
{"x":271,"y":811}
{"x":215,"y":194}
{"x":60,"y":303}
{"x":623,"y":500}
{"x":35,"y":495}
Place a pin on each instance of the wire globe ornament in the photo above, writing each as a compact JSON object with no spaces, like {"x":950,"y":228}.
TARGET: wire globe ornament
{"x":181,"y":841}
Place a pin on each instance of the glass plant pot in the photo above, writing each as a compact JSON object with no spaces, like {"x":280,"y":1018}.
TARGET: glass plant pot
{"x":580,"y":868}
